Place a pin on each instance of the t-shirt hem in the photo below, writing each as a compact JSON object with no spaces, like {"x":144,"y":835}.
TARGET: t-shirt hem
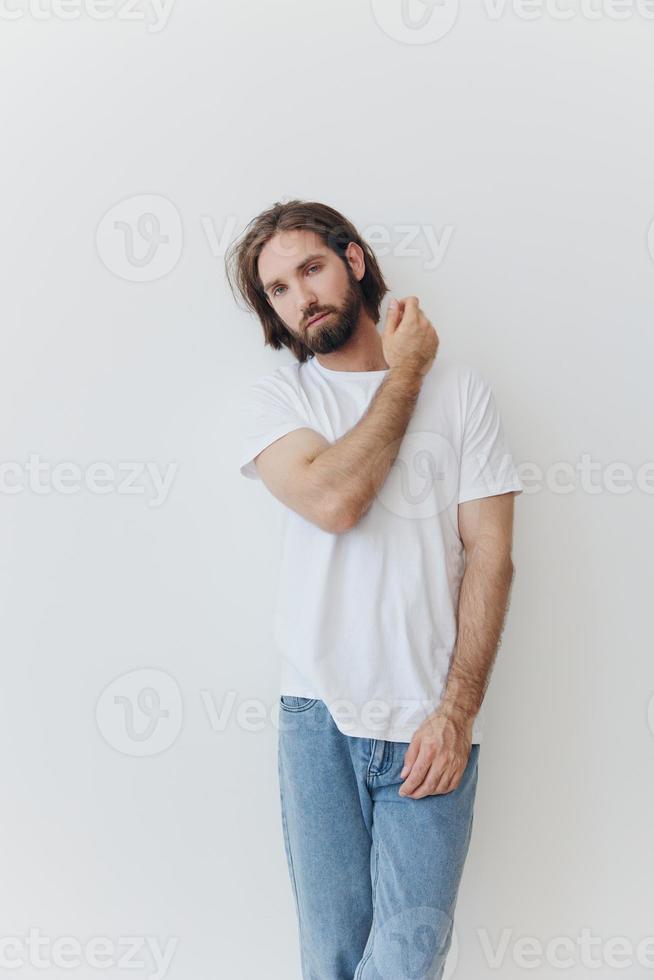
{"x":247,"y":466}
{"x":404,"y":735}
{"x":485,"y":492}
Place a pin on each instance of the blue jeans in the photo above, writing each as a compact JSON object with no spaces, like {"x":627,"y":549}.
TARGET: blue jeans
{"x":375,"y":875}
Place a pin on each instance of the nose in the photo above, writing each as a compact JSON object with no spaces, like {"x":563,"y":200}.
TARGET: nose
{"x":307,"y":300}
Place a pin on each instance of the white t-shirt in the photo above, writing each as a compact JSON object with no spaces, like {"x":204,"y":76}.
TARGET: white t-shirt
{"x":366,"y":619}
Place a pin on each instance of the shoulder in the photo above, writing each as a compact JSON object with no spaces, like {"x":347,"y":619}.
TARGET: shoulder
{"x":277,"y":391}
{"x":283,"y":380}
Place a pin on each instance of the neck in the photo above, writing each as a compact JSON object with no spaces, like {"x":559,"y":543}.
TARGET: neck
{"x":362,"y":352}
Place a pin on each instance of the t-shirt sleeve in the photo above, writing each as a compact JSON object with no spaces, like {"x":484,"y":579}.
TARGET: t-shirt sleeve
{"x":487,"y":467}
{"x":266,"y":415}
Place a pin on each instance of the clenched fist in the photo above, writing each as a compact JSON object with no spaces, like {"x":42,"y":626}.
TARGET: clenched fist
{"x":409,"y":339}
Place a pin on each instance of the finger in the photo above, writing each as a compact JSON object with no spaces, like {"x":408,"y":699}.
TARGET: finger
{"x":410,"y":757}
{"x":429,"y":785}
{"x":418,"y":772}
{"x":393,"y":316}
{"x":450,"y":779}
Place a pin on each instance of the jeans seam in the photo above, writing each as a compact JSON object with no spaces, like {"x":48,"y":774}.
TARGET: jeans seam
{"x":293,"y":879}
{"x":371,"y":940}
{"x":390,"y":752}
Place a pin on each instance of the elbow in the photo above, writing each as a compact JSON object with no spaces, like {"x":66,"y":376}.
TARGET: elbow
{"x":338,"y":516}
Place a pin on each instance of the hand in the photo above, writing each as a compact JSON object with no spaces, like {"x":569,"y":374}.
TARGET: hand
{"x":408,"y":337}
{"x":438,"y":755}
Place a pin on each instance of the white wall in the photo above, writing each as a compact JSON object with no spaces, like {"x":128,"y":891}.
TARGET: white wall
{"x":525,"y":147}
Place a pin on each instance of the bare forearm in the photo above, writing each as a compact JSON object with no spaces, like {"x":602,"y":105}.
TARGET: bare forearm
{"x":353,"y":468}
{"x":483,"y":603}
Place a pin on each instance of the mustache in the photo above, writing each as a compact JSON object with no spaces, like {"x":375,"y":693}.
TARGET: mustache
{"x":315,"y":314}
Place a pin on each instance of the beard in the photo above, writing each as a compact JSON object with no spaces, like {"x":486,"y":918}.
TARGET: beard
{"x":339,"y":326}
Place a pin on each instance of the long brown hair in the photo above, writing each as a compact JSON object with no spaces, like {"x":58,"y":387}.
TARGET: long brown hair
{"x":241,"y":263}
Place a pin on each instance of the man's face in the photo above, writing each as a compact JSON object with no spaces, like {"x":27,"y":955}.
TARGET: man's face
{"x":303,"y":278}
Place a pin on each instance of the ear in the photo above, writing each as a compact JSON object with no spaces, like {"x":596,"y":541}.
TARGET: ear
{"x":356,"y":260}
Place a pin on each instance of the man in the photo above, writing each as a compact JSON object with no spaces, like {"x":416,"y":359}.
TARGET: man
{"x":398,"y":486}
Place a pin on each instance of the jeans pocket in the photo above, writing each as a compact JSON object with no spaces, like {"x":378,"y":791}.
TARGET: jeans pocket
{"x":290,"y":702}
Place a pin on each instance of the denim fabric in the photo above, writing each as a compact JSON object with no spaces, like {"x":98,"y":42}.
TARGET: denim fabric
{"x":374,"y":875}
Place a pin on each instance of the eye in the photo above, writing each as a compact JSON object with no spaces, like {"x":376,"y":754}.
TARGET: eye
{"x":316,"y":265}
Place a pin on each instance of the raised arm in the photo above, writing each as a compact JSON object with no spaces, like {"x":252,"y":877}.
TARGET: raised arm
{"x":334,"y":484}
